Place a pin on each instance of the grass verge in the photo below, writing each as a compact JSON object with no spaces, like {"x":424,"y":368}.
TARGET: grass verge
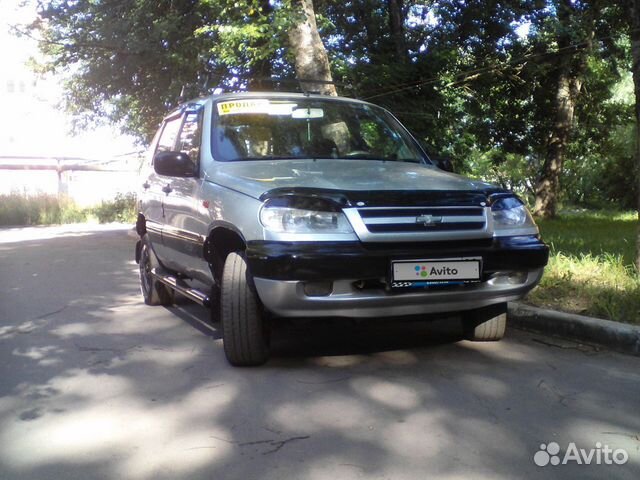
{"x":591,"y":268}
{"x":43,"y":209}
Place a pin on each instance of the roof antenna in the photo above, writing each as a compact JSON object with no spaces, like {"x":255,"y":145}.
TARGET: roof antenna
{"x":182,"y":95}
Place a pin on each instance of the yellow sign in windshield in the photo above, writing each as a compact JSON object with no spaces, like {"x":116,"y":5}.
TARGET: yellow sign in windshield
{"x":238,"y":107}
{"x":243,"y":106}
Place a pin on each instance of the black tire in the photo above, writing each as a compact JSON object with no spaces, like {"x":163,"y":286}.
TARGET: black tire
{"x":153,"y":291}
{"x":245,"y":331}
{"x":486,"y":324}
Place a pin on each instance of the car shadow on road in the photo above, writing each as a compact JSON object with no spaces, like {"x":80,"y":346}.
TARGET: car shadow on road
{"x":301,"y":339}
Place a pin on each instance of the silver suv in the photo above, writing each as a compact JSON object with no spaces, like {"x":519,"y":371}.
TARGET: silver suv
{"x":266,"y":205}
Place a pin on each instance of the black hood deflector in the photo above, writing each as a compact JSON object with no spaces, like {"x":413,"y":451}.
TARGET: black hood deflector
{"x":392,"y":198}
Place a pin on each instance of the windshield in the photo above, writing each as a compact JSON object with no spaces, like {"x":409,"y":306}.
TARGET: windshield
{"x":274,"y":129}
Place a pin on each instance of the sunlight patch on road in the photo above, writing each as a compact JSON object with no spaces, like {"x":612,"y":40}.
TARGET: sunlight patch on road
{"x":93,"y":417}
{"x":44,"y":356}
{"x":324,"y":411}
{"x":507,"y":351}
{"x":391,"y":394}
{"x":136,"y":318}
{"x":397,"y":357}
{"x":340,"y":361}
{"x":23,"y":234}
{"x":621,"y":432}
{"x":166,"y":357}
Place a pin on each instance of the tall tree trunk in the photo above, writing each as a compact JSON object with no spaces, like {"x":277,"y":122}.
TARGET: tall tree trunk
{"x":311,"y":60}
{"x":396,"y":26}
{"x":548,"y":187}
{"x":635,"y":53}
{"x":568,"y":84}
{"x":365,"y":11}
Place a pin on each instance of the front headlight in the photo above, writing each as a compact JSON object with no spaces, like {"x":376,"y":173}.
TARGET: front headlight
{"x":509,"y":213}
{"x":296,"y":220}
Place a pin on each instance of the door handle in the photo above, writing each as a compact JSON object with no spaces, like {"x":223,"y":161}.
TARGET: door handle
{"x":146,"y":185}
{"x":167,"y":189}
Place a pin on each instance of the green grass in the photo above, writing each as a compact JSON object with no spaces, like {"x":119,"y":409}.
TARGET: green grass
{"x":44,"y":209}
{"x":591,"y":269}
{"x":596,"y":233}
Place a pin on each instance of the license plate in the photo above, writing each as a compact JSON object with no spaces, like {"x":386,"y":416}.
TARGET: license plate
{"x":437,"y":271}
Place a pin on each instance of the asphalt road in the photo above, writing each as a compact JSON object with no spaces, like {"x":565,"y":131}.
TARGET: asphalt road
{"x":94,"y":384}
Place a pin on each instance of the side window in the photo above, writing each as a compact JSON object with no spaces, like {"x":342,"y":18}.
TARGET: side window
{"x":167,"y":141}
{"x":189,"y":137}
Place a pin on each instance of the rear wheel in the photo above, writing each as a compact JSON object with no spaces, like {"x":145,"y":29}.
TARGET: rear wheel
{"x":245,"y":330}
{"x":485,"y":324}
{"x":153,"y":291}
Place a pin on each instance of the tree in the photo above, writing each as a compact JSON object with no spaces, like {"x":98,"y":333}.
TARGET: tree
{"x":527,"y":111}
{"x":132,"y":61}
{"x":311,"y":61}
{"x":396,"y":26}
{"x":635,"y":52}
{"x":571,"y":63}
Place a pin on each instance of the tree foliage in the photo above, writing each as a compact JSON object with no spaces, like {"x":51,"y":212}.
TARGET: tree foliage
{"x":477,"y":81}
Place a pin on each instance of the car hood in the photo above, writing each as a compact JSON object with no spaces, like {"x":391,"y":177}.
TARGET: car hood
{"x":254,"y":178}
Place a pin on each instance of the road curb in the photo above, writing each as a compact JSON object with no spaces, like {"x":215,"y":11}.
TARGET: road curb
{"x":617,"y":336}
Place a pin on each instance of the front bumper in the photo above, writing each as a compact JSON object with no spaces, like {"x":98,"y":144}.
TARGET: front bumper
{"x":288,"y":298}
{"x":280,"y":270}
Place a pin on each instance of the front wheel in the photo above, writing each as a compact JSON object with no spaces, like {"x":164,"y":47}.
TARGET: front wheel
{"x":485,"y":324}
{"x":245,"y":331}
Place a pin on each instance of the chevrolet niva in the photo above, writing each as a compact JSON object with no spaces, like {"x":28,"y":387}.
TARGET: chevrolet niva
{"x":270,"y":205}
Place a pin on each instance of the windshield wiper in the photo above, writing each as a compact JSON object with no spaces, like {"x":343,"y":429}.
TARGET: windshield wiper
{"x":265,"y":157}
{"x":380,"y":159}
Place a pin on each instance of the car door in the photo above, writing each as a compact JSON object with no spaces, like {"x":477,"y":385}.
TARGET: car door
{"x":150,"y":194}
{"x":186,"y":215}
{"x":154,"y":187}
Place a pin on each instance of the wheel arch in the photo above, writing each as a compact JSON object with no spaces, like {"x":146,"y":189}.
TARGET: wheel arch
{"x":222,"y":240}
{"x":141,"y":225}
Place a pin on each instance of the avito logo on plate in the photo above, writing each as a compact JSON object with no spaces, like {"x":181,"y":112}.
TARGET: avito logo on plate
{"x":423,"y":271}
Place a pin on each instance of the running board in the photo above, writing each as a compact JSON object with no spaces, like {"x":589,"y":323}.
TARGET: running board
{"x":182,"y":288}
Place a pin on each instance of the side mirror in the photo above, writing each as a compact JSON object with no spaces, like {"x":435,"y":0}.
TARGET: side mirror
{"x":174,"y":164}
{"x":443,"y":163}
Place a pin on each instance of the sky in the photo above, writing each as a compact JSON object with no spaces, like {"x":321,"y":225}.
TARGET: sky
{"x":33,"y":123}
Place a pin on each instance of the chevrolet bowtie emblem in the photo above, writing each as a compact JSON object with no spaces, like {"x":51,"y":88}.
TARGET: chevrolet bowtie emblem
{"x":428,"y":220}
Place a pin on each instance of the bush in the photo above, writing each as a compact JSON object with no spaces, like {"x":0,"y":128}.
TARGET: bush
{"x":121,"y":209}
{"x":43,"y":209}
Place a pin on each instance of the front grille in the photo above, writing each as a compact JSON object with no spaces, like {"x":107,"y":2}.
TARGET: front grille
{"x":426,"y":220}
